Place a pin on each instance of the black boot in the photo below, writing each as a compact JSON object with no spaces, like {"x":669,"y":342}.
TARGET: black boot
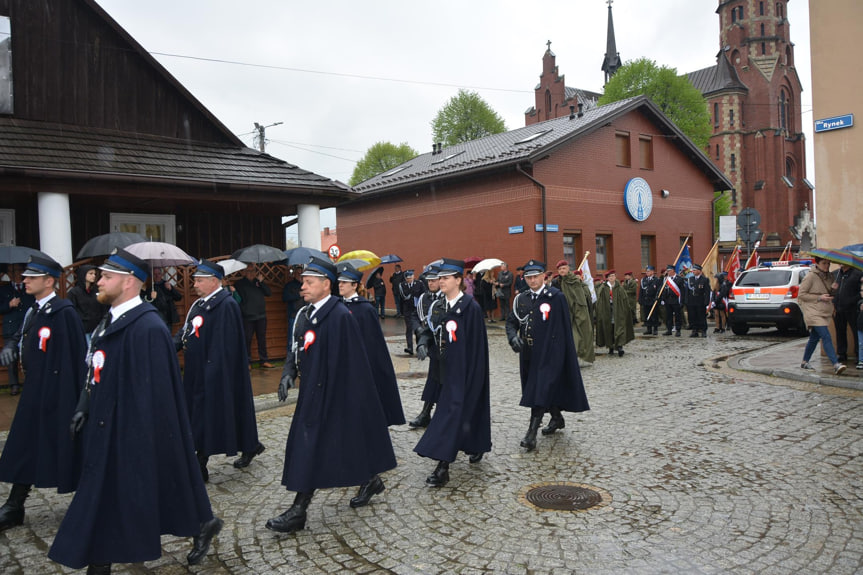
{"x":440,"y":476}
{"x":246,"y":458}
{"x":648,"y":331}
{"x":424,"y":418}
{"x":619,"y":351}
{"x":202,"y":462}
{"x":294,"y":519}
{"x":655,"y":330}
{"x":201,"y":542}
{"x":529,"y":441}
{"x":556,"y":422}
{"x":99,"y":569}
{"x":12,"y":512}
{"x":368,"y":489}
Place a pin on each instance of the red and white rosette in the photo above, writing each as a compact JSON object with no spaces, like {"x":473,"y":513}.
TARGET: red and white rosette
{"x":308,"y":339}
{"x":98,"y":362}
{"x":44,"y":336}
{"x":451,"y":328}
{"x":545,"y":308}
{"x":197,"y":322}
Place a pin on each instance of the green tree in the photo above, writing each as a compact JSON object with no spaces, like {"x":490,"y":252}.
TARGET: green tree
{"x":675,"y":95}
{"x":379,"y":158}
{"x":464,"y":118}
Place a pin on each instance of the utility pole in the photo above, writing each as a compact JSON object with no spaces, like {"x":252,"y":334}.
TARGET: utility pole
{"x":261,"y":135}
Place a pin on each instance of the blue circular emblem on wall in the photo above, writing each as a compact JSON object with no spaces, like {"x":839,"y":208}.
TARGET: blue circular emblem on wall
{"x":638,"y":199}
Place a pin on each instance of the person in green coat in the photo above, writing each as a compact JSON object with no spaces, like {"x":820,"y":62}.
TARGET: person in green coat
{"x":630,"y":286}
{"x":613,"y":315}
{"x":577,"y":295}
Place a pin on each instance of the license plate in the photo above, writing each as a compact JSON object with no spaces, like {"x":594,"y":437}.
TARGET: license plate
{"x":758,"y":296}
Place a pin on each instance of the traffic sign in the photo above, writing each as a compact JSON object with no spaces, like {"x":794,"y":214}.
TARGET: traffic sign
{"x":334,"y":252}
{"x":748,"y":219}
{"x":834,"y":123}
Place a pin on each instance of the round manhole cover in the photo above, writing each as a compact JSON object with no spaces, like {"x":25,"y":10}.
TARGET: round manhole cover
{"x":565,"y":496}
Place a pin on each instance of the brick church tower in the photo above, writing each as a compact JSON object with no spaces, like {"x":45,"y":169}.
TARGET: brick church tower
{"x":753,"y":95}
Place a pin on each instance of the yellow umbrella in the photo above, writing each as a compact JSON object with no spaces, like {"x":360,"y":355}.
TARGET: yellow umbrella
{"x":365,"y":255}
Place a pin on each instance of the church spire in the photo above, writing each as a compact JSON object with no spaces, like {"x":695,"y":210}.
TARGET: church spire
{"x":612,"y":58}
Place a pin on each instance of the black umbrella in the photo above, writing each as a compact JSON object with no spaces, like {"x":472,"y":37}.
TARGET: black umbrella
{"x":106,"y":243}
{"x":18,"y":254}
{"x":372,"y":275}
{"x":259,"y":254}
{"x":300,"y":256}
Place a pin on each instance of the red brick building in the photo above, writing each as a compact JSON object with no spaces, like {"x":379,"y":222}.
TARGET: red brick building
{"x":489,"y":197}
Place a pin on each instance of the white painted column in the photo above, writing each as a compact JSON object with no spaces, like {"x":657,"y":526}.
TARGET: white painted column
{"x":309,"y":226}
{"x":55,"y":226}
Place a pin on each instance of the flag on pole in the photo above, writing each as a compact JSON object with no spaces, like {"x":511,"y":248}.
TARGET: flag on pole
{"x":709,"y":266}
{"x":754,"y":258}
{"x":585,"y":274}
{"x":684,"y":263}
{"x":733,"y":267}
{"x":786,"y":253}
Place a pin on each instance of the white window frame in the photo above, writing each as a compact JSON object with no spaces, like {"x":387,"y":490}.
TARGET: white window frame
{"x":7,"y":227}
{"x":168,"y":221}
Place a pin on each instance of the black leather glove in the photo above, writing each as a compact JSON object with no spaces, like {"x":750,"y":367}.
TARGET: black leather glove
{"x":285,"y":383}
{"x":79,"y":418}
{"x":516,"y":344}
{"x":422,"y":352}
{"x":8,"y":356}
{"x":178,"y":340}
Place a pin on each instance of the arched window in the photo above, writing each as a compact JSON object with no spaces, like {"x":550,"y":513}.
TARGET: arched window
{"x":789,"y":168}
{"x":789,"y":56}
{"x":547,"y":104}
{"x":784,"y":111}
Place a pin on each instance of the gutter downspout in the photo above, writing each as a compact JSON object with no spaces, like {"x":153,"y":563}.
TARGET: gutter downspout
{"x":544,"y":223}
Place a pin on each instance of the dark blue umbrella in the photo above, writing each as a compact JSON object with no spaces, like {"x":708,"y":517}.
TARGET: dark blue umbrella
{"x":390,"y":259}
{"x":300,"y":256}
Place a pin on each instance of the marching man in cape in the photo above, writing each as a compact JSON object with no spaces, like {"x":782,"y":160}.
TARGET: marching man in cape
{"x":539,"y":330}
{"x":339,"y":435}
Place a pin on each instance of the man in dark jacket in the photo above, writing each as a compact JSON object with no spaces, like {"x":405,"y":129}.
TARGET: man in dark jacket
{"x":673,"y":294}
{"x":216,"y":376}
{"x":339,"y":435}
{"x":697,"y":301}
{"x":163,"y":296}
{"x":253,"y":290}
{"x":409,"y":292}
{"x":847,"y":290}
{"x":396,"y":280}
{"x":139,"y":476}
{"x":14,"y":303}
{"x":648,"y":290}
{"x":539,"y":330}
{"x":504,"y":284}
{"x":38,"y":450}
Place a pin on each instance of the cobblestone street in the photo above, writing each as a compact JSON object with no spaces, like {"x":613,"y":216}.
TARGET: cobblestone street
{"x":708,"y":470}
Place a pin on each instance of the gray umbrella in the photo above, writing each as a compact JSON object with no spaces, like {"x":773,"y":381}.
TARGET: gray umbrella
{"x":300,"y":256}
{"x":258,"y":254}
{"x":106,"y":243}
{"x":18,"y":254}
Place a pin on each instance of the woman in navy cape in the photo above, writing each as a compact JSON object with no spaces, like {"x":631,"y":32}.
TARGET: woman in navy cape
{"x":462,"y":420}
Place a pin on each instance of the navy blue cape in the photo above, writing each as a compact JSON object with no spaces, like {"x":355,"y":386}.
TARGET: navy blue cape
{"x":38,"y":449}
{"x":140,"y":477}
{"x":216,"y":378}
{"x":462,"y":419}
{"x":379,"y":357}
{"x":339,"y":435}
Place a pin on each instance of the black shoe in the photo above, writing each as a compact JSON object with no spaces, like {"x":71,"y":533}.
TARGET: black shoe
{"x":475,"y":457}
{"x":677,"y":333}
{"x":408,"y":351}
{"x":619,"y":352}
{"x":717,"y":330}
{"x":367,"y":490}
{"x":693,"y":334}
{"x":553,"y":425}
{"x":611,"y":351}
{"x":11,"y":516}
{"x":648,"y":331}
{"x":440,"y":476}
{"x":667,"y":333}
{"x":704,"y":334}
{"x":14,"y":389}
{"x":529,"y":441}
{"x":246,"y":458}
{"x":201,"y":542}
{"x":424,"y":418}
{"x":99,"y":569}
{"x":294,"y":519}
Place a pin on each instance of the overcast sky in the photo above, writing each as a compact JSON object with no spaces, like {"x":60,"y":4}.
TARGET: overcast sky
{"x":342,"y":75}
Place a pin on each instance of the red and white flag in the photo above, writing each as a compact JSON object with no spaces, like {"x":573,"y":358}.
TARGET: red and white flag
{"x":733,"y":267}
{"x":754,"y":258}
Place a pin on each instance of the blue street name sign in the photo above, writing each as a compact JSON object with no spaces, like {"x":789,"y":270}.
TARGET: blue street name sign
{"x":549,"y":227}
{"x":516,"y":229}
{"x":834,"y":123}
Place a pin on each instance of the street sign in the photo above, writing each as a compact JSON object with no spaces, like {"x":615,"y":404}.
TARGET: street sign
{"x":834,"y":123}
{"x":748,"y":219}
{"x":548,"y":228}
{"x":334,"y":252}
{"x":516,"y":229}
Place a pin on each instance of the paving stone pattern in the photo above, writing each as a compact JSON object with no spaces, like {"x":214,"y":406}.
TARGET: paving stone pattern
{"x":708,"y":471}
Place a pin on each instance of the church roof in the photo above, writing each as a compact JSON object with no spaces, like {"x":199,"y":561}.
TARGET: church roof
{"x":611,"y":62}
{"x":586,"y":97}
{"x":523,"y":146}
{"x":716,"y":78}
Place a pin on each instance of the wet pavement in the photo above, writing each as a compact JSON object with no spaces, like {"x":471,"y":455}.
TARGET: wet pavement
{"x":708,"y":463}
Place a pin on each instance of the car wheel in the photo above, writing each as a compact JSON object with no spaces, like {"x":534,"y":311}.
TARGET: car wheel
{"x":740,"y":328}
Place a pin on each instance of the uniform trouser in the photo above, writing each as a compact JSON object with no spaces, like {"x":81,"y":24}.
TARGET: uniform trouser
{"x":842,"y":321}
{"x":13,"y":373}
{"x":654,"y":319}
{"x":412,"y":322}
{"x":380,"y":304}
{"x":673,"y":316}
{"x":258,"y":329}
{"x":697,"y":317}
